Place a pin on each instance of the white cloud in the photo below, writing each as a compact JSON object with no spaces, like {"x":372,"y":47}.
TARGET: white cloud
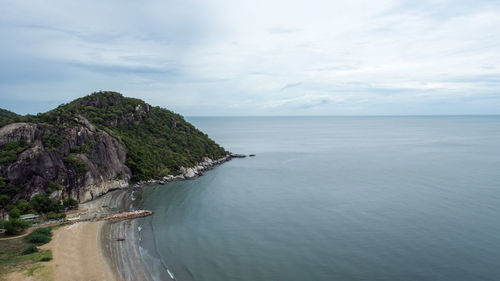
{"x":240,"y":57}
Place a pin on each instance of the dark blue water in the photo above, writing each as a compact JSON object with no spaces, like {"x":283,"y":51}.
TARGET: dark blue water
{"x":336,"y":198}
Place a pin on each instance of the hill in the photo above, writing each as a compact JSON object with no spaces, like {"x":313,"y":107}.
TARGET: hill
{"x":93,"y":144}
{"x":7,"y":114}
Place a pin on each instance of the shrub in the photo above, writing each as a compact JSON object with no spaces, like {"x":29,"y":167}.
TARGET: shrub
{"x":55,"y":216}
{"x":14,"y":213}
{"x":52,"y":186}
{"x":51,"y":140}
{"x":70,"y":203}
{"x":39,"y":236}
{"x":24,"y":206}
{"x":15,"y":226}
{"x":4,"y":200}
{"x":30,"y":250}
{"x":43,"y":230}
{"x":8,"y":153}
{"x":38,"y":239}
{"x":46,"y":258}
{"x":76,"y":165}
{"x":44,"y":204}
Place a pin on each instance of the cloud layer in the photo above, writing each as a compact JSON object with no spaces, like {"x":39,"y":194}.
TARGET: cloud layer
{"x":257,"y":57}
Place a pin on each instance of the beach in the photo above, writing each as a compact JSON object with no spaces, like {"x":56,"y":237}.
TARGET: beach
{"x":90,"y":250}
{"x":76,"y":249}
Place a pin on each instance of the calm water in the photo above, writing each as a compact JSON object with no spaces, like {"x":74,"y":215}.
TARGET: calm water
{"x":335,"y":198}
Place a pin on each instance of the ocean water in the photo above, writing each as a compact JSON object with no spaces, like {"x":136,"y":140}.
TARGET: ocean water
{"x":335,"y":198}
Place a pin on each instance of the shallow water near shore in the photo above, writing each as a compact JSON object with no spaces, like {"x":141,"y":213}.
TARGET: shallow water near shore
{"x":334,"y":198}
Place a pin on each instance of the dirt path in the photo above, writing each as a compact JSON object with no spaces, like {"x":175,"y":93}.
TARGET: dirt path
{"x":28,"y":231}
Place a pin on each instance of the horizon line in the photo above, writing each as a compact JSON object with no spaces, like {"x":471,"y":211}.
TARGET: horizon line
{"x":345,"y":115}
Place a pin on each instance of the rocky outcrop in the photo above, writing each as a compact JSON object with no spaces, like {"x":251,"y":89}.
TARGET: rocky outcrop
{"x":191,"y":172}
{"x":84,"y":161}
{"x":17,"y":131}
{"x":79,"y":149}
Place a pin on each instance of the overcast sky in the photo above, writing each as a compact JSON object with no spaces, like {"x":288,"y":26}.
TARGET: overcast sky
{"x":259,"y":57}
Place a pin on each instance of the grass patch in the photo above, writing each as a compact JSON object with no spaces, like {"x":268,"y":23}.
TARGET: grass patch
{"x":30,"y":250}
{"x":40,"y":272}
{"x":12,"y":257}
{"x":31,"y":270}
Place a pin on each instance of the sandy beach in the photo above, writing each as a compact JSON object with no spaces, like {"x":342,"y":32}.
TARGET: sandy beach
{"x":90,"y":250}
{"x":77,"y":253}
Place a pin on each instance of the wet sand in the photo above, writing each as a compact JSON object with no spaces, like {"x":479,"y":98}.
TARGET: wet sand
{"x":90,"y":250}
{"x":123,"y":256}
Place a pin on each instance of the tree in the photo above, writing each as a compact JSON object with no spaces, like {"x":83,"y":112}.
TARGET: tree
{"x":14,"y":213}
{"x":30,"y":250}
{"x":15,"y":226}
{"x":4,"y":200}
{"x":44,"y":204}
{"x":70,"y":203}
{"x":24,"y":207}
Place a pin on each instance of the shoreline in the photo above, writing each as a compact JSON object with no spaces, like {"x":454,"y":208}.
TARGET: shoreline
{"x":77,"y":254}
{"x":124,"y":257}
{"x":108,"y":258}
{"x":89,"y":250}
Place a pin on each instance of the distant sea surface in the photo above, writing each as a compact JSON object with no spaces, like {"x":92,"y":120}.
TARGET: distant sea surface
{"x":334,"y":198}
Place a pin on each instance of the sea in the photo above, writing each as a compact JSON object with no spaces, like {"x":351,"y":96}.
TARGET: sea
{"x":334,"y":198}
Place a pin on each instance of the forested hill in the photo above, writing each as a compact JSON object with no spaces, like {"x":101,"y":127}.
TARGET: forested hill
{"x":7,"y":114}
{"x":96,"y":143}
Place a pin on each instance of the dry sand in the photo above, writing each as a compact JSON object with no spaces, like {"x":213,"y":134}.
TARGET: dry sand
{"x":77,"y":254}
{"x":90,"y":251}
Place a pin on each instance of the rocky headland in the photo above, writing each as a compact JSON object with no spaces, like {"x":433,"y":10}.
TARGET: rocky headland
{"x":99,"y":143}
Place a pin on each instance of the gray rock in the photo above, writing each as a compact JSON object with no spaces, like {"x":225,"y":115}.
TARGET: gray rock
{"x":38,"y":165}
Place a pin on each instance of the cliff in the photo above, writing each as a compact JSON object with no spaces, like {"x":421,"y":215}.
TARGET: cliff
{"x":96,"y":143}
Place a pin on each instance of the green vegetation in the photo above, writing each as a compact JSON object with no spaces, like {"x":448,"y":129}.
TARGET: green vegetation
{"x":7,"y":191}
{"x":76,"y":165}
{"x":7,"y":114}
{"x":50,"y":209}
{"x":7,"y":117}
{"x":42,"y":203}
{"x":52,"y":140}
{"x":32,"y":248}
{"x":15,"y":256}
{"x":14,"y":213}
{"x":54,"y":216}
{"x":86,"y":148}
{"x":15,"y":226}
{"x":47,"y":257}
{"x":9,"y":152}
{"x":158,"y":141}
{"x":52,"y":186}
{"x":24,"y":207}
{"x":70,"y":203}
{"x":40,"y":236}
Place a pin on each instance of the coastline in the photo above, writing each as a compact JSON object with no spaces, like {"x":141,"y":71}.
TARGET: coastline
{"x":127,"y":261}
{"x":93,"y":245}
{"x":124,"y":257}
{"x":90,"y":250}
{"x":76,"y":249}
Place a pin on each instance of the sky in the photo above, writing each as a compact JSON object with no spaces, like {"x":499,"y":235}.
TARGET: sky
{"x":259,"y":57}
